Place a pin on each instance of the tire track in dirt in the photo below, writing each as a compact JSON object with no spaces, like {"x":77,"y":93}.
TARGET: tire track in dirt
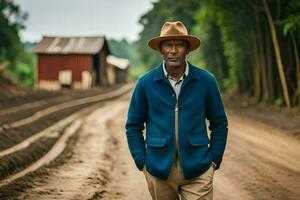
{"x":86,"y":171}
{"x":260,"y":162}
{"x":126,"y":182}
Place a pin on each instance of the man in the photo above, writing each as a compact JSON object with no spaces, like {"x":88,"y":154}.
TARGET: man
{"x":174,"y":100}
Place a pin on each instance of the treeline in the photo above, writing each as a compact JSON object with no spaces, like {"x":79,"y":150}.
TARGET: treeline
{"x":252,"y":46}
{"x":13,"y":57}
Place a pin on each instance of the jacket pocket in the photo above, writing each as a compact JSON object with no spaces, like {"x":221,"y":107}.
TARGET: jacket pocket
{"x":156,"y":141}
{"x":198,"y":141}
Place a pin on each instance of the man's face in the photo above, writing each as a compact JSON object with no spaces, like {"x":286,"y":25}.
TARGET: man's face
{"x":174,"y":52}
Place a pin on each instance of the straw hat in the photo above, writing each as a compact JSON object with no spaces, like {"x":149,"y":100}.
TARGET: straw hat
{"x":171,"y":31}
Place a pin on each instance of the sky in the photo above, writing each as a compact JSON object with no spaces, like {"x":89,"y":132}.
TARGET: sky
{"x":112,"y":18}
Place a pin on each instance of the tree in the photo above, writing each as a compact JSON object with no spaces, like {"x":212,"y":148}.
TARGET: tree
{"x":124,"y":49}
{"x":277,"y":54}
{"x":260,"y":46}
{"x":11,"y":22}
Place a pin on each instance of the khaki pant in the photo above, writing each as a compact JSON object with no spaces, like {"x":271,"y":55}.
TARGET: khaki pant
{"x":176,"y":187}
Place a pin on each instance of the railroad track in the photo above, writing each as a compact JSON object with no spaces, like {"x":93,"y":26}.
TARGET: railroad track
{"x":43,"y":146}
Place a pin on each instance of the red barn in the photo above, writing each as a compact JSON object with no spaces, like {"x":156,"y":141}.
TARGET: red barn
{"x":74,"y":62}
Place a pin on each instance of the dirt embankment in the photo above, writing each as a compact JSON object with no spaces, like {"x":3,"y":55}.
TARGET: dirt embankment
{"x":288,"y":120}
{"x":9,"y":87}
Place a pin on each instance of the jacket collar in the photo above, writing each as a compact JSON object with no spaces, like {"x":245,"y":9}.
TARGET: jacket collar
{"x":159,"y":72}
{"x":186,"y":72}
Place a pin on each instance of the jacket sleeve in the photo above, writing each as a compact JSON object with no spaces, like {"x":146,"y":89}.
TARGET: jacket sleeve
{"x":218,"y":122}
{"x":136,"y":118}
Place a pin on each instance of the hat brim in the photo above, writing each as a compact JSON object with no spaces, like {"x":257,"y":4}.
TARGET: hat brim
{"x":193,"y":41}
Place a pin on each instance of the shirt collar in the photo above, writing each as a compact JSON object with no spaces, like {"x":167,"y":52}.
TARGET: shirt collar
{"x":186,"y":72}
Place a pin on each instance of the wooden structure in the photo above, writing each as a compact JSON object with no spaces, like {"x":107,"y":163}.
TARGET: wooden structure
{"x":117,"y":71}
{"x":74,"y":62}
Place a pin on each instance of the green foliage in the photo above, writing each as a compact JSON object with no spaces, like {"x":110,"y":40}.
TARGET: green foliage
{"x":20,"y":64}
{"x":278,"y":103}
{"x":211,"y":51}
{"x":292,"y":20}
{"x":122,"y":49}
{"x":136,"y":72}
{"x":208,"y":18}
{"x":125,"y":49}
{"x":23,"y":70}
{"x":11,"y":22}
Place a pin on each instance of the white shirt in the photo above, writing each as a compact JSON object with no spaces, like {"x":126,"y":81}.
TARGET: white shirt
{"x":176,"y":84}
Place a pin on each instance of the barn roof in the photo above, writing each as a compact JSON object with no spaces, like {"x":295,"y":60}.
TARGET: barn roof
{"x":70,"y":45}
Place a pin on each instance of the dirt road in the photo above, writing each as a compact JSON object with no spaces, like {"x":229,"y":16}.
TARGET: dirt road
{"x":260,"y":162}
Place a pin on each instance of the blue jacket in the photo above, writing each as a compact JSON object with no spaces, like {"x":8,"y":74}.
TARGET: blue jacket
{"x":153,"y":103}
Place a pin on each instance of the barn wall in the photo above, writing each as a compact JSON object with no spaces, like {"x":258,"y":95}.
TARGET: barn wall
{"x":49,"y":65}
